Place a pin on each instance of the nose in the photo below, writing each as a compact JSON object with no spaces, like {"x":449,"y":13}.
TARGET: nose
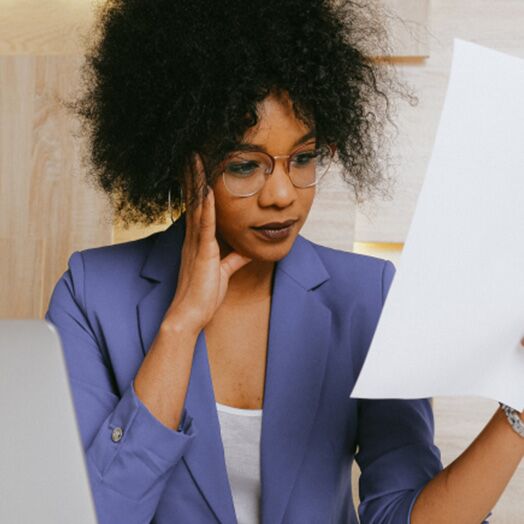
{"x":278,"y":189}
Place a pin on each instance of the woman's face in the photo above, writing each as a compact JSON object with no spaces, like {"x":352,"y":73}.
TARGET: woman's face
{"x":277,"y":131}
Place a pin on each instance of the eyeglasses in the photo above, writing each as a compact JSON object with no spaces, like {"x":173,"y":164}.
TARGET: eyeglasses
{"x":246,"y":172}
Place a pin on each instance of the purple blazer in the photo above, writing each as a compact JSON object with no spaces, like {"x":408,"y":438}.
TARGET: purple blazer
{"x":107,"y":308}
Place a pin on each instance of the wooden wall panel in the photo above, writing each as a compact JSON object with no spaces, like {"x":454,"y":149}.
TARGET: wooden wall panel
{"x":47,"y":210}
{"x":23,"y":272}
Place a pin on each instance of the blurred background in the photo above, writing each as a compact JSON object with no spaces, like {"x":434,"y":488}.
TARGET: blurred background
{"x":47,"y":210}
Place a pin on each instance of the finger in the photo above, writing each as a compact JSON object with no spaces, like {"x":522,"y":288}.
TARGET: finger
{"x":207,"y":224}
{"x":199,"y":180}
{"x":187,"y":192}
{"x":193,"y":211}
{"x":233,"y":262}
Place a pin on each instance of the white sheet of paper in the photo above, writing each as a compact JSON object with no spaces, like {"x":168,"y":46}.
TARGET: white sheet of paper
{"x":454,"y":316}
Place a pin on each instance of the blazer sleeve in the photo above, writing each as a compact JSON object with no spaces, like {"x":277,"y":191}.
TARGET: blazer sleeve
{"x":396,"y":455}
{"x":127,"y":469}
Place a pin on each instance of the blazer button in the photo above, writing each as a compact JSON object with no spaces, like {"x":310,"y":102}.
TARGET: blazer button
{"x":116,"y":435}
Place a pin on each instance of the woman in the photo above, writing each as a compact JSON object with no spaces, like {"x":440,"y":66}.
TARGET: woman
{"x":176,"y":344}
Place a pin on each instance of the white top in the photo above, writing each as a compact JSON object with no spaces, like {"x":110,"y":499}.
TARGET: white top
{"x":240,"y":430}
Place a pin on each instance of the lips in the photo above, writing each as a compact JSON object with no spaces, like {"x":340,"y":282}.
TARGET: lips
{"x":275,"y":225}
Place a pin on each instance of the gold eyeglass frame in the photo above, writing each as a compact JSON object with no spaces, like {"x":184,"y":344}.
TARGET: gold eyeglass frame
{"x":332,"y":147}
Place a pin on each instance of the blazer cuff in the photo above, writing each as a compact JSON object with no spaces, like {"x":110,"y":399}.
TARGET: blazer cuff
{"x":131,"y":459}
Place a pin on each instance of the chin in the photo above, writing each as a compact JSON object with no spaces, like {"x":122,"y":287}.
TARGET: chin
{"x":268,"y":251}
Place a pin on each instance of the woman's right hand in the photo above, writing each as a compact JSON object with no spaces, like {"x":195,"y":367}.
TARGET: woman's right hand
{"x":203,"y":277}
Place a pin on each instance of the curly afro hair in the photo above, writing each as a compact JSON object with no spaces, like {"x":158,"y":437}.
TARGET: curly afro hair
{"x":166,"y":79}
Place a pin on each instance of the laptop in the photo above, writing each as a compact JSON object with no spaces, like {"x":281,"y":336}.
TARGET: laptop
{"x":43,"y":475}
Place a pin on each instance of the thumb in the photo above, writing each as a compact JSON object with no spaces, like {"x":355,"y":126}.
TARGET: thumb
{"x":233,"y":262}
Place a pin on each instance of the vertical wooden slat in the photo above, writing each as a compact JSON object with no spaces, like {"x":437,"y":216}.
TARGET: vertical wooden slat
{"x":43,"y":193}
{"x":22,"y":270}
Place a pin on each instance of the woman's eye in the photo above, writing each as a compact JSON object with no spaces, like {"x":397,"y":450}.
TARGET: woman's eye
{"x":304,"y":158}
{"x":242,"y":168}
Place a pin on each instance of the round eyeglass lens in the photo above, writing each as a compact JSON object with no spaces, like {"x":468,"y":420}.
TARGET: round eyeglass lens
{"x":245,"y":172}
{"x":308,"y":166}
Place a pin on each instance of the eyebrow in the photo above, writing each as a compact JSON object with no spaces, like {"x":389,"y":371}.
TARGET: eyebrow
{"x":246,"y":146}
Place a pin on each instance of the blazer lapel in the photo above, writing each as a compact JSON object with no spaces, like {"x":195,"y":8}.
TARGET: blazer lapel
{"x":298,"y":341}
{"x":299,"y":338}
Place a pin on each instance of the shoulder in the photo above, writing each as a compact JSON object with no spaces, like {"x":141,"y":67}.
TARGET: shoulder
{"x":354,"y":293}
{"x":126,"y":256}
{"x":355,"y":273}
{"x":109,"y":270}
